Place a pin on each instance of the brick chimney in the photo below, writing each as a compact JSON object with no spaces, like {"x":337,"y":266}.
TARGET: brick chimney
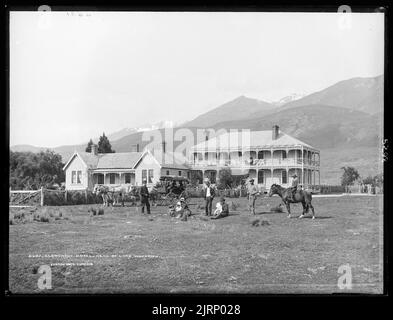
{"x":94,"y":149}
{"x":275,"y":132}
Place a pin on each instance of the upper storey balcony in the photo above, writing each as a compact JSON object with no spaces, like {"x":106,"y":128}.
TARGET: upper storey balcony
{"x":254,"y":159}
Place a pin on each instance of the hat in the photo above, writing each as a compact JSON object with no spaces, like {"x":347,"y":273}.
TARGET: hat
{"x":182,"y":199}
{"x":252,"y":180}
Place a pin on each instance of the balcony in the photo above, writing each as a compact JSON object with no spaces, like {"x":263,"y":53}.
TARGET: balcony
{"x":256,"y":163}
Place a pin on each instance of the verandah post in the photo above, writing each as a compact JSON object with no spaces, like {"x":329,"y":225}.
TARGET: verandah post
{"x":42,"y":196}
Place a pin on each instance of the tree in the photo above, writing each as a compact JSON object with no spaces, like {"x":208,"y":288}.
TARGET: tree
{"x":349,"y":176}
{"x":378,"y":179}
{"x":30,"y":170}
{"x":374,"y":181}
{"x":225,"y":178}
{"x":104,"y":146}
{"x":88,"y":147}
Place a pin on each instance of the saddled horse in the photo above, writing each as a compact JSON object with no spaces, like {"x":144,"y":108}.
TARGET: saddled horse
{"x":302,"y":196}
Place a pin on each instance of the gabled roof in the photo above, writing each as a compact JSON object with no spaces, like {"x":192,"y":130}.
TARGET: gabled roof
{"x":248,"y":139}
{"x":124,"y":160}
{"x":171,"y":160}
{"x":174,"y":160}
{"x":88,"y":159}
{"x":128,"y":160}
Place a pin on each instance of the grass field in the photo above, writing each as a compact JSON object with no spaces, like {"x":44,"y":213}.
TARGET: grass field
{"x":127,"y":252}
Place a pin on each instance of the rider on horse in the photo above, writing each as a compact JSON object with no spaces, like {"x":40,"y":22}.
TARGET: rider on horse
{"x":295,"y":183}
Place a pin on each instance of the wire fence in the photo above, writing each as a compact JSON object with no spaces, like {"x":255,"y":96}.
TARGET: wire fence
{"x":43,"y":197}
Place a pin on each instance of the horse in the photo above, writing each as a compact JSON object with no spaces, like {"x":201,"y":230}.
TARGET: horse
{"x":103,"y":191}
{"x":113,"y":194}
{"x":302,"y":196}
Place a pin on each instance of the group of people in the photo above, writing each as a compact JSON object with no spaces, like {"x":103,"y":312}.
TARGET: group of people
{"x":221,"y":210}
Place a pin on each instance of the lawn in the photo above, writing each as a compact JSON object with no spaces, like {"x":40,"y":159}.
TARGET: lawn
{"x":124,"y":251}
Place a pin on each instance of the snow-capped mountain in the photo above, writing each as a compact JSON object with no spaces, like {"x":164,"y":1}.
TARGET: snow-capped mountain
{"x":289,"y":98}
{"x":158,"y":125}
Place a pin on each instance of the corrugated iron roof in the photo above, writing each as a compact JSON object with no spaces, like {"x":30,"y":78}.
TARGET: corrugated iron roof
{"x":124,"y":160}
{"x":174,"y":160}
{"x":248,"y":139}
{"x":90,"y":159}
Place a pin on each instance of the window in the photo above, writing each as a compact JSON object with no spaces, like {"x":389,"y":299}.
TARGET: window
{"x":179,"y":173}
{"x":284,"y":154}
{"x":100,"y":179}
{"x":260,"y":154}
{"x":76,"y":177}
{"x":260,"y":177}
{"x":112,"y":178}
{"x":150,"y":176}
{"x":206,"y":155}
{"x":73,"y":177}
{"x":127,"y":178}
{"x":79,"y":177}
{"x":144,"y":175}
{"x":167,"y":172}
{"x":284,"y":177}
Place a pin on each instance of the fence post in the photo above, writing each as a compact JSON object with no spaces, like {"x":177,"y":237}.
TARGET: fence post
{"x":42,"y":196}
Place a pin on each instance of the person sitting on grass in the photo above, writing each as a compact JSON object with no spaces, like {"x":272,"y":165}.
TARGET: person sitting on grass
{"x":222,"y":209}
{"x":182,"y":210}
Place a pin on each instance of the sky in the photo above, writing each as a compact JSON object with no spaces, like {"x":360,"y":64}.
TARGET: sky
{"x":74,"y":75}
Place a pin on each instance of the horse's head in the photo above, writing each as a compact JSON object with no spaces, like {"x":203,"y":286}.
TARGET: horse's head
{"x":274,"y":188}
{"x":98,"y":189}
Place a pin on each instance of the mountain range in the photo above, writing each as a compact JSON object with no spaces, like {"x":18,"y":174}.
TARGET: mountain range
{"x":344,"y":121}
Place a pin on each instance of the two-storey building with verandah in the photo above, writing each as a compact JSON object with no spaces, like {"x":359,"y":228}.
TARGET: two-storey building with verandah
{"x":267,"y":156}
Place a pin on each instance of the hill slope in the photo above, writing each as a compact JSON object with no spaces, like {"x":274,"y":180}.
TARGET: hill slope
{"x":241,"y":107}
{"x":319,"y":125}
{"x":361,"y":94}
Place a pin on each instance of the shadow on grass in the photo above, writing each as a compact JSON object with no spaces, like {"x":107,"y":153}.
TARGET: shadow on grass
{"x":316,"y":217}
{"x":268,"y":212}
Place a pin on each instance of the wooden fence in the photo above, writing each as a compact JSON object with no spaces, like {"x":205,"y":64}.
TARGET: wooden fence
{"x":43,"y":196}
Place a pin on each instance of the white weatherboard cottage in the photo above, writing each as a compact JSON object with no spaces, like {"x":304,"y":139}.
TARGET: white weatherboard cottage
{"x":268,"y":156}
{"x":83,"y":170}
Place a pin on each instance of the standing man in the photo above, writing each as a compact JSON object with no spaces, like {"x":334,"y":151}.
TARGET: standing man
{"x":144,"y":194}
{"x":252,"y":192}
{"x":295,"y":183}
{"x":209,"y":196}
